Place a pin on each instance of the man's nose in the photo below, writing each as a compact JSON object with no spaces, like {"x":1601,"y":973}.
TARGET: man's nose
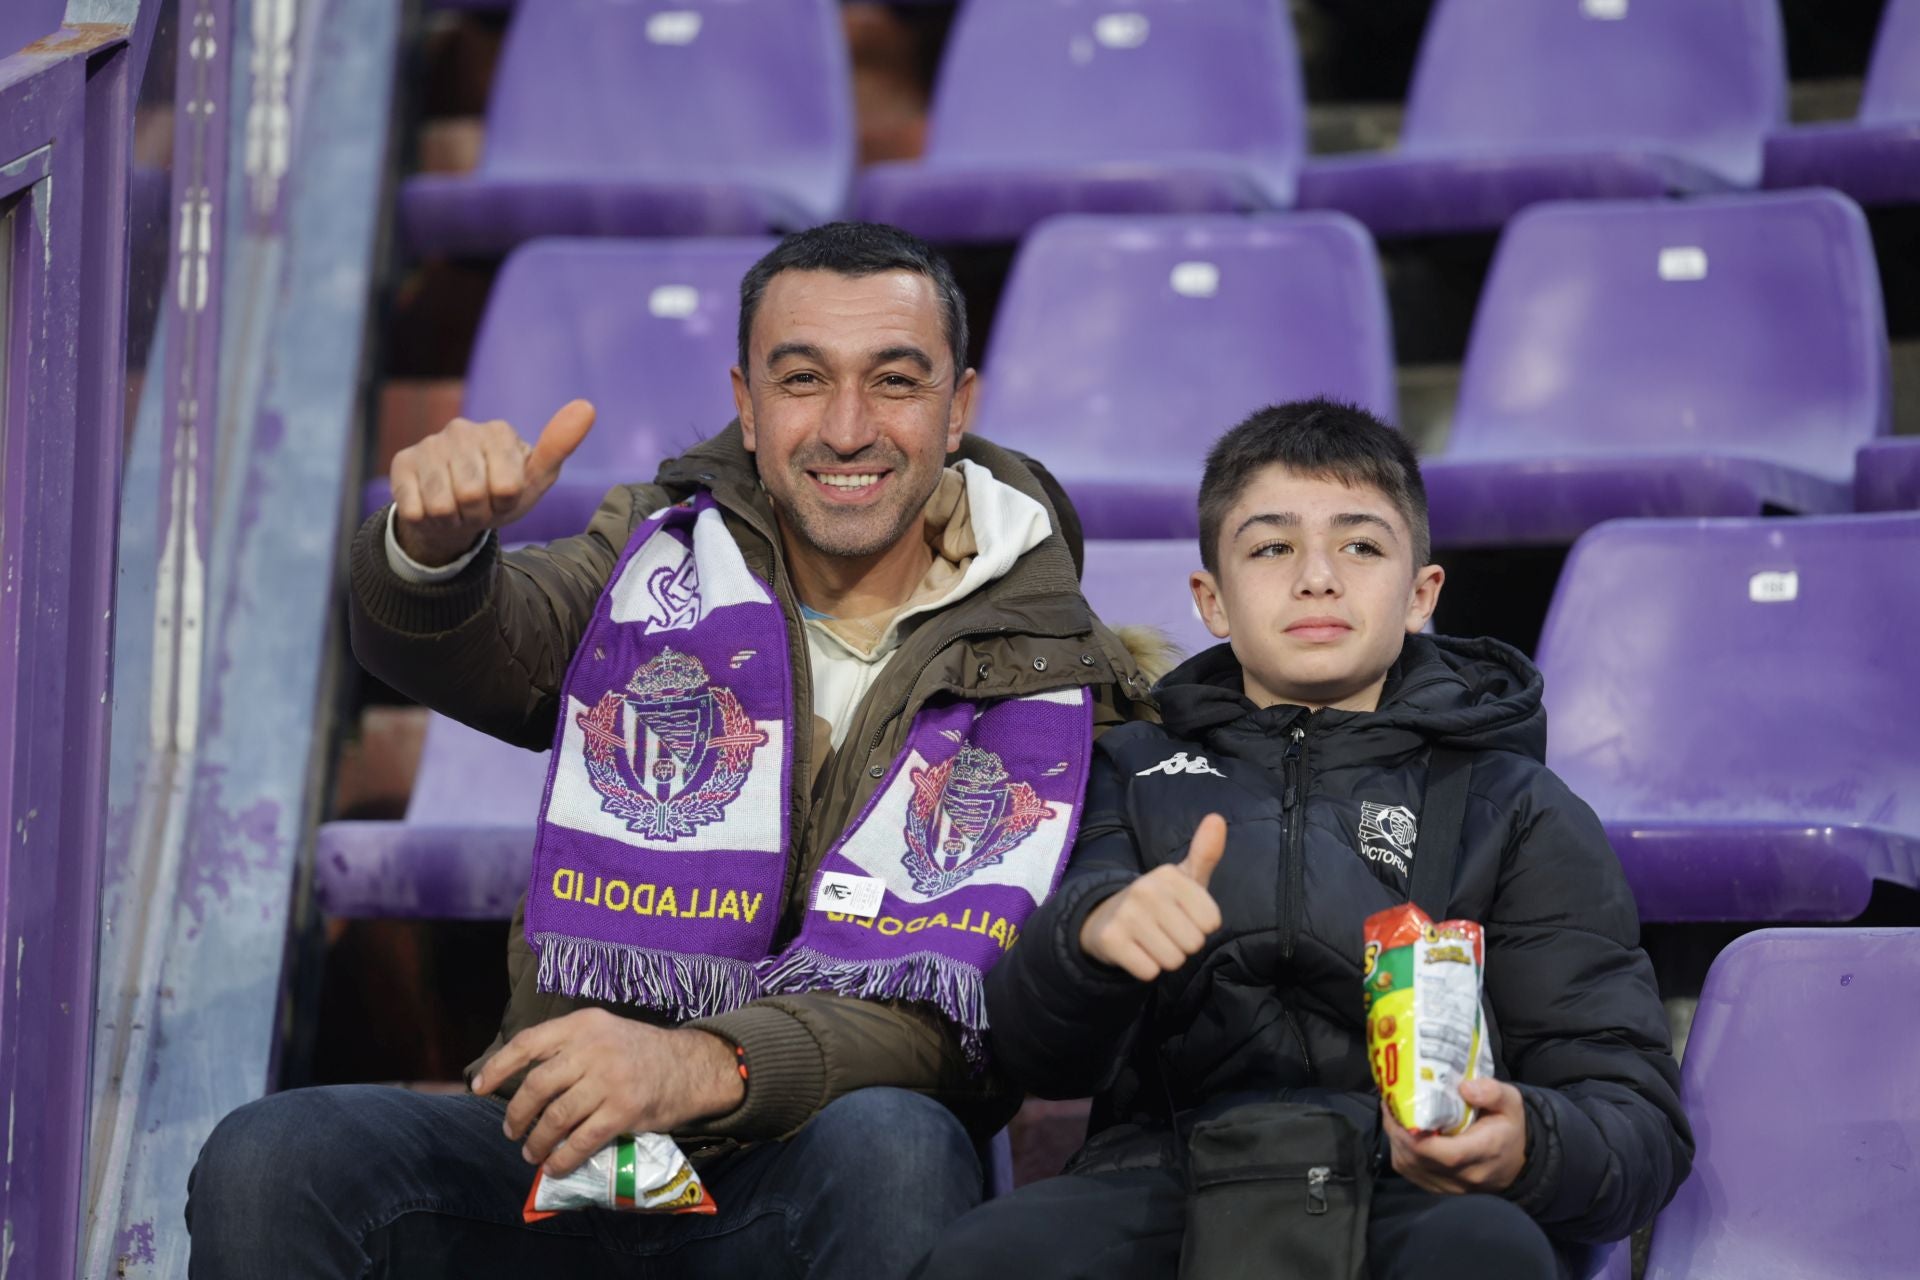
{"x":848,"y":427}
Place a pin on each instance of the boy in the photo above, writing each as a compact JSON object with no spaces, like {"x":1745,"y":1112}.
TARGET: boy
{"x":1187,"y":964}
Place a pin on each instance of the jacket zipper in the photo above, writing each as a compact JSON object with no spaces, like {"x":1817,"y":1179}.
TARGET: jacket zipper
{"x":1293,"y":803}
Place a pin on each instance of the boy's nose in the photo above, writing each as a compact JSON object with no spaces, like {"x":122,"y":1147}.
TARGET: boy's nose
{"x":1317,"y":576}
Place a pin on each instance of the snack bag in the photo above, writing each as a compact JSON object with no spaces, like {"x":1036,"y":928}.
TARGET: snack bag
{"x":1424,"y":1022}
{"x":640,"y":1172}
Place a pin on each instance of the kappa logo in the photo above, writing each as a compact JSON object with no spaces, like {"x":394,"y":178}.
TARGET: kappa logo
{"x":1387,"y":833}
{"x":1180,"y":762}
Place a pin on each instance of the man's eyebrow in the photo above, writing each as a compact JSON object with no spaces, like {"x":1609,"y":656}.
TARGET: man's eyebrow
{"x":912,"y":355}
{"x":801,"y":350}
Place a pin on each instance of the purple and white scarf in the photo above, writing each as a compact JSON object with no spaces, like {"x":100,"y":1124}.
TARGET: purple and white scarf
{"x":659,"y":870}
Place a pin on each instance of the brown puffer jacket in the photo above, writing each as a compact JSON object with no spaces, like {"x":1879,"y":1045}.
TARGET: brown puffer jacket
{"x":491,"y":647}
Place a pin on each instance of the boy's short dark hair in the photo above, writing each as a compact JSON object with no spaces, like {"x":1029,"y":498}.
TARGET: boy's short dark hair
{"x":1321,"y":438}
{"x":858,"y":249}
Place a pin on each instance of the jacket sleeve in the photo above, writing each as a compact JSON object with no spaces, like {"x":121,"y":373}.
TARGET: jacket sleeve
{"x":804,"y":1051}
{"x":490,"y":646}
{"x":1060,"y":1022}
{"x":1584,"y":1033}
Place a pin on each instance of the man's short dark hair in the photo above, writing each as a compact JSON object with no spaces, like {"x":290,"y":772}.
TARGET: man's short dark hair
{"x":858,"y":249}
{"x":1326,"y":440}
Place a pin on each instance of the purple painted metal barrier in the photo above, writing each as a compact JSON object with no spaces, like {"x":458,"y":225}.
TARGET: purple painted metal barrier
{"x":24,"y":21}
{"x":62,"y":261}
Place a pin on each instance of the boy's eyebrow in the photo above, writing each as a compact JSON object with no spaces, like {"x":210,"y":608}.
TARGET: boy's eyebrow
{"x":1289,"y":519}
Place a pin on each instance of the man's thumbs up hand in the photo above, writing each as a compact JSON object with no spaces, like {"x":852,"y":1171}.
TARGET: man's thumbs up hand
{"x":470,"y":477}
{"x":1154,"y":925}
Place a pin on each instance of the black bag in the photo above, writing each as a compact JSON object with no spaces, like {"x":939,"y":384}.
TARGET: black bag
{"x":1282,"y":1188}
{"x":1277,"y":1190}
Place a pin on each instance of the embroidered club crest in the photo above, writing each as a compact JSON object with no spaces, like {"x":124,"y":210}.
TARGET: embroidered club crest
{"x":965,"y":816}
{"x":670,"y":752}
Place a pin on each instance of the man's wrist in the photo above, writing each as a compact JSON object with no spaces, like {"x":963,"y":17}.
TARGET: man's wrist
{"x":719,"y":1071}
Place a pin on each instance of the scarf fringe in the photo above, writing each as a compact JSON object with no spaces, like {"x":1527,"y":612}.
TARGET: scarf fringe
{"x":955,"y":987}
{"x":687,"y":986}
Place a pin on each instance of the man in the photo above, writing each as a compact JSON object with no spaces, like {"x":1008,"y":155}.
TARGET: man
{"x":810,"y":659}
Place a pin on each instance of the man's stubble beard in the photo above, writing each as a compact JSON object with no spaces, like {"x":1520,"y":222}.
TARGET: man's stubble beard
{"x":817,"y":529}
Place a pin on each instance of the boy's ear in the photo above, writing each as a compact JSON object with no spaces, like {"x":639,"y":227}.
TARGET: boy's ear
{"x":1424,"y":597}
{"x":1206,"y":598}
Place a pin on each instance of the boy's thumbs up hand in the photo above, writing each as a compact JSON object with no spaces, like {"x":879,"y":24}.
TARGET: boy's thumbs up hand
{"x":469,"y":477}
{"x":1154,"y":925}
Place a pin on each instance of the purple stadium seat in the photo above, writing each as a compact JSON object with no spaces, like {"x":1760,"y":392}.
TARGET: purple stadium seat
{"x":1886,"y":475}
{"x":651,"y":118}
{"x":1800,"y":1083}
{"x":1124,"y":346}
{"x":1144,"y":583}
{"x":1517,"y":101}
{"x":1055,"y":106}
{"x":1876,"y":157}
{"x":1719,"y":356}
{"x":644,"y":329}
{"x":464,"y":849}
{"x":1736,"y":700}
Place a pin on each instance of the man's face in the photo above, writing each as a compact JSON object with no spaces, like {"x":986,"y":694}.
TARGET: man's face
{"x":850,"y":404}
{"x":1317,"y":590}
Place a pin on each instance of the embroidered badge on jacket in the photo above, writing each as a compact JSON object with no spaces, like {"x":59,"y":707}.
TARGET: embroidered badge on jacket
{"x":1387,"y":833}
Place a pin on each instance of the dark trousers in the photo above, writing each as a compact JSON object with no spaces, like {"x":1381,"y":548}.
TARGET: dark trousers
{"x":1127,"y":1225}
{"x":362,"y":1180}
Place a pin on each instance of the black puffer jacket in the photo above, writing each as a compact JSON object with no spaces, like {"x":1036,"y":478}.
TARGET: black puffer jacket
{"x":1274,"y":1001}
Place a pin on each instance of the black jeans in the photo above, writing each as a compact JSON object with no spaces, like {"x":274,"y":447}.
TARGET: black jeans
{"x":358,"y":1180}
{"x":1127,"y":1225}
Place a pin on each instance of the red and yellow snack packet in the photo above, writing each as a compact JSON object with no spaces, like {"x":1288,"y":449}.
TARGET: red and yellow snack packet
{"x":639,"y":1173}
{"x":1425,"y":1033}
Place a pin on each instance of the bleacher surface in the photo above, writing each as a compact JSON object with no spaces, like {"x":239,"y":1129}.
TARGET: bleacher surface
{"x":1640,"y":279}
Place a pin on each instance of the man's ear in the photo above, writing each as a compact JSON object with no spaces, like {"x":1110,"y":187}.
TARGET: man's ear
{"x":960,"y":411}
{"x":1424,"y":597}
{"x":1206,"y":598}
{"x":743,"y":407}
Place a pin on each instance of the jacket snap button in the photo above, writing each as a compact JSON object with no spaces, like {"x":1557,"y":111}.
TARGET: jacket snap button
{"x":982,"y":670}
{"x":1086,"y":659}
{"x":875,"y":772}
{"x":1039,"y":664}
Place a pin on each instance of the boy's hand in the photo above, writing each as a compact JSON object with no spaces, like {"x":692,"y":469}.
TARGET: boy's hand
{"x":1487,"y":1156}
{"x":1156,"y":923}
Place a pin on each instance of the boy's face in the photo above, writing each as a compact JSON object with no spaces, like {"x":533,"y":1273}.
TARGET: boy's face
{"x":1317,"y":590}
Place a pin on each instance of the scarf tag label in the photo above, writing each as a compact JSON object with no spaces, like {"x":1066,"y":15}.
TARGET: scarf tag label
{"x":851,"y":895}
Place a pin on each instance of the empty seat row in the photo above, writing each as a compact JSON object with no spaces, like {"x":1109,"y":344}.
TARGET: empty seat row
{"x":1716,"y":357}
{"x":1734,"y":698}
{"x":715,"y":117}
